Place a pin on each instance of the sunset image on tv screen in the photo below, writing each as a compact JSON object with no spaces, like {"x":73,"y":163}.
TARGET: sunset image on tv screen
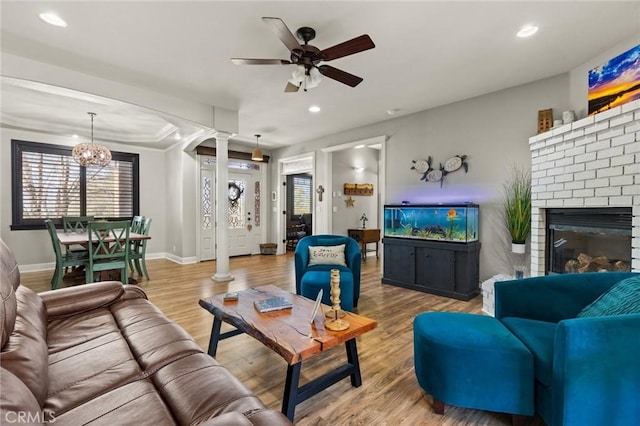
{"x":616,"y":82}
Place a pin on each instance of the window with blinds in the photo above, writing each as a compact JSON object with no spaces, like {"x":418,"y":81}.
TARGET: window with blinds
{"x":301,"y":195}
{"x":48,"y":183}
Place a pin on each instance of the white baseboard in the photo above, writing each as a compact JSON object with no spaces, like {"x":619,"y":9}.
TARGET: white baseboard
{"x":49,"y":266}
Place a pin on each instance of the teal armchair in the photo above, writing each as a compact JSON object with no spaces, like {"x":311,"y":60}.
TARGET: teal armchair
{"x":587,"y":370}
{"x":311,"y":278}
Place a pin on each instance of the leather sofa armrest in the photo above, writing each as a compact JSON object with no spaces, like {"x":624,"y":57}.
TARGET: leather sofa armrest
{"x":230,"y":418}
{"x":264,"y":417}
{"x":133,"y":292}
{"x":73,"y":300}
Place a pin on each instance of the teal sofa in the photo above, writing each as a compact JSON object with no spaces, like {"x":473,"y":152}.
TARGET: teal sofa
{"x":587,"y":370}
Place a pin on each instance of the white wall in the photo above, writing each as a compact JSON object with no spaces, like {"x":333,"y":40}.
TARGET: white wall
{"x":33,"y":248}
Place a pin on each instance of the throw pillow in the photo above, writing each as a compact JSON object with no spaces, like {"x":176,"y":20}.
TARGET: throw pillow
{"x":327,"y":255}
{"x":622,"y":298}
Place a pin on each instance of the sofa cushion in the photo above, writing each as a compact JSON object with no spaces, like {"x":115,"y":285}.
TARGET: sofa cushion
{"x":91,"y":357}
{"x":218,"y":391}
{"x":622,"y":298}
{"x":135,"y":403}
{"x":539,"y":337}
{"x":25,"y":353}
{"x":18,"y":400}
{"x":327,"y":255}
{"x":9,"y":265}
{"x":8,"y":307}
{"x":153,"y":338}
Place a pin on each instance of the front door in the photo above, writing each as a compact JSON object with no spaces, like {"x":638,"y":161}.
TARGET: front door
{"x":240,"y":213}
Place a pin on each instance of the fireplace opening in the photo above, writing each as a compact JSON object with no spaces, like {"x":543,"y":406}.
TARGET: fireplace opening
{"x":588,"y":240}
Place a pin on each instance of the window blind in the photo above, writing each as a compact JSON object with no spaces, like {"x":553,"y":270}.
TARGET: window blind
{"x":48,"y":183}
{"x":302,"y":197}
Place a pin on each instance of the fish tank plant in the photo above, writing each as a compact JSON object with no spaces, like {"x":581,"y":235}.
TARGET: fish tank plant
{"x":453,"y":222}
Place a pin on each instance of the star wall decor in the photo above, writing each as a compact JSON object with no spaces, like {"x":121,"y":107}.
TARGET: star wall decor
{"x":350,"y":202}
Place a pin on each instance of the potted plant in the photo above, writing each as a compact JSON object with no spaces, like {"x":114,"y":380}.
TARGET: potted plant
{"x":517,"y":208}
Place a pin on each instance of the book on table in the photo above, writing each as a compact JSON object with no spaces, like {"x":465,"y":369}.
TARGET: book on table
{"x":275,"y":303}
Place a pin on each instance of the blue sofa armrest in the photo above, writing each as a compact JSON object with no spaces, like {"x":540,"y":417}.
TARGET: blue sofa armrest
{"x":301,"y":260}
{"x":552,"y":298}
{"x":596,"y":377}
{"x":353,"y":258}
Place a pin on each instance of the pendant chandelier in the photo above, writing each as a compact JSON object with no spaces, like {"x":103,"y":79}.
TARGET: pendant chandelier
{"x":91,"y":154}
{"x":256,"y":154}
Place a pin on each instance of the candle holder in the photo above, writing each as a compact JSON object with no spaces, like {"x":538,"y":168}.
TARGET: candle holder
{"x":336,"y":315}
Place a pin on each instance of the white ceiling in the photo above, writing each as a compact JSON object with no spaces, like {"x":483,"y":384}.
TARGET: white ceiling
{"x":427,"y":54}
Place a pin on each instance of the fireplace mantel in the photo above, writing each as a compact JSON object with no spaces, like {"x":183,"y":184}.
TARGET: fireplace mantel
{"x":592,"y":162}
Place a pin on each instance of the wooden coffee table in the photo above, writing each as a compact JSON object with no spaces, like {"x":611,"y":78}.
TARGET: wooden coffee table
{"x":291,"y":335}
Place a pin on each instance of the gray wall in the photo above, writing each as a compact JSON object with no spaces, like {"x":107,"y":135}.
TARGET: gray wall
{"x":343,"y":162}
{"x":33,"y":248}
{"x":579,"y":87}
{"x":492,"y":130}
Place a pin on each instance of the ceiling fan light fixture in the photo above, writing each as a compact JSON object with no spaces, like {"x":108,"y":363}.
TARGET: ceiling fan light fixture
{"x":91,"y":154}
{"x":256,"y":154}
{"x":305,"y":79}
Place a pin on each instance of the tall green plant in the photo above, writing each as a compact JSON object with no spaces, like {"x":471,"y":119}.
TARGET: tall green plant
{"x":517,"y":205}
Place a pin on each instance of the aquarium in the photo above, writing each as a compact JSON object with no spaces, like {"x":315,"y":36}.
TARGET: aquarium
{"x":453,"y":222}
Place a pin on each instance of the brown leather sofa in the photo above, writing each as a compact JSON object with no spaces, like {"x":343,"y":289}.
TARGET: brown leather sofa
{"x":103,"y":354}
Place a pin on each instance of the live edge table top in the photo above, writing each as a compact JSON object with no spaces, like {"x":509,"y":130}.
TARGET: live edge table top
{"x":288,"y":332}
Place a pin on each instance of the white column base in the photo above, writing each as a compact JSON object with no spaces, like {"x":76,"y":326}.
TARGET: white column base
{"x":222,"y":278}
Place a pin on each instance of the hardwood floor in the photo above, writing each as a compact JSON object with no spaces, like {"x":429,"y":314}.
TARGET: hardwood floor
{"x":389,"y":395}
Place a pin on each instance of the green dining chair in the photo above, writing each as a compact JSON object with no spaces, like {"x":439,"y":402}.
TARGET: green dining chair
{"x":63,"y":261}
{"x":71,"y":224}
{"x":139,"y":249}
{"x":108,"y":248}
{"x":136,"y":224}
{"x":75,"y":223}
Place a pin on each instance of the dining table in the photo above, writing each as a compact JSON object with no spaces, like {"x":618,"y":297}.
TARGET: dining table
{"x":82,"y":238}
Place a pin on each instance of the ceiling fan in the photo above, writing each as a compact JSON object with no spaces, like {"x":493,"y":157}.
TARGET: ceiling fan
{"x":307,"y":57}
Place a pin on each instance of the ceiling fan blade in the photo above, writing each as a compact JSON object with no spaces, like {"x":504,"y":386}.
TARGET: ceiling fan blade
{"x":339,"y":75}
{"x":282,"y":31}
{"x":291,"y":88}
{"x":246,"y":61}
{"x":347,"y":48}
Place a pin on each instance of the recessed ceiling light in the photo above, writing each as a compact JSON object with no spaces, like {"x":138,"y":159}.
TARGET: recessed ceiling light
{"x":75,"y":136}
{"x":53,"y":19}
{"x":314,"y":108}
{"x":527,"y":31}
{"x":392,"y":111}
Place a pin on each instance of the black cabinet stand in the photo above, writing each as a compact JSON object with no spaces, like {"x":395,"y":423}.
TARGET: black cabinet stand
{"x":438,"y":267}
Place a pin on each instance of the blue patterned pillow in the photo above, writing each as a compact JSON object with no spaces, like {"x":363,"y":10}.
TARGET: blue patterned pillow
{"x":622,"y":298}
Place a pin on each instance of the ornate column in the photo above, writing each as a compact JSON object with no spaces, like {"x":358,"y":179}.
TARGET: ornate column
{"x":222,"y":211}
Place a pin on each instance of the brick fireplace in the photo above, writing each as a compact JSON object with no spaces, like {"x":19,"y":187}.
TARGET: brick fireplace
{"x":591,"y":163}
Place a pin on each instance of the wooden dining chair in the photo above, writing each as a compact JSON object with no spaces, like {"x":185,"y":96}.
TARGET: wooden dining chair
{"x":108,"y":248}
{"x":139,"y":249}
{"x":63,"y":261}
